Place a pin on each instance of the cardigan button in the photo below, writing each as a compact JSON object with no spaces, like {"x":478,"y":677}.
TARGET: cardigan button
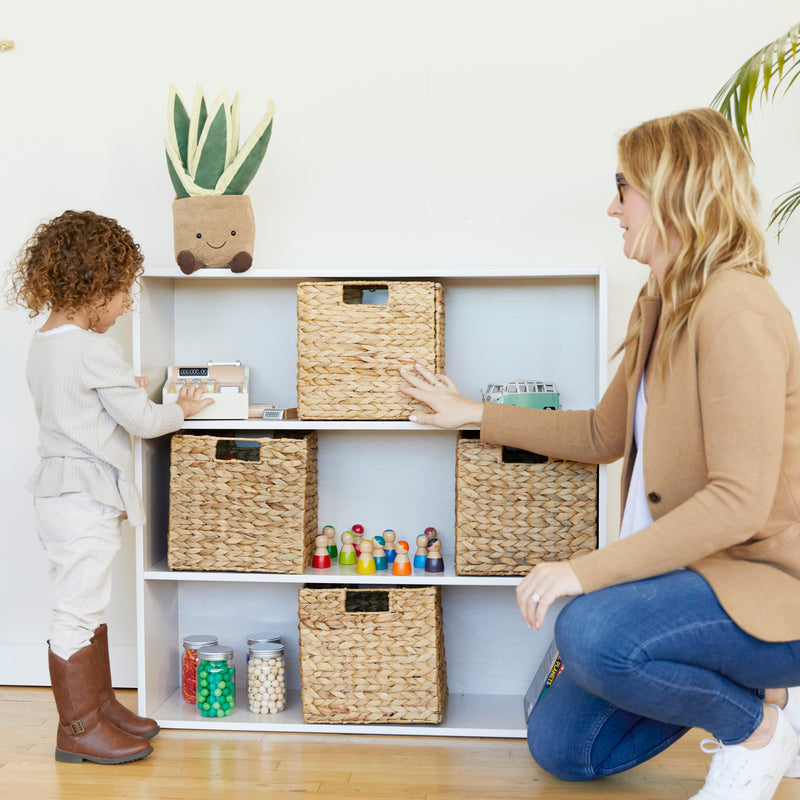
{"x":654,"y":497}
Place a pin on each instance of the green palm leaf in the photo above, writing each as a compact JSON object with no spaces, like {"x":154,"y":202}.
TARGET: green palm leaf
{"x":785,"y":208}
{"x":771,"y":68}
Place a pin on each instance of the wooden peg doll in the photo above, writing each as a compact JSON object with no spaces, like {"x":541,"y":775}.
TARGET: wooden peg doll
{"x":434,"y":562}
{"x":366,"y":563}
{"x":422,"y":551}
{"x":321,"y":558}
{"x":389,"y":538}
{"x":402,"y":563}
{"x":378,"y":553}
{"x":330,"y":533}
{"x":358,"y":535}
{"x":347,"y":554}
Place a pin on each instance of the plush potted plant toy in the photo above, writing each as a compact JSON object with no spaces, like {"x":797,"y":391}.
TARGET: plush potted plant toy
{"x":213,"y":217}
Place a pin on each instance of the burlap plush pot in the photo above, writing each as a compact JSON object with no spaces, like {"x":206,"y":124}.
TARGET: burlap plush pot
{"x":214,"y":231}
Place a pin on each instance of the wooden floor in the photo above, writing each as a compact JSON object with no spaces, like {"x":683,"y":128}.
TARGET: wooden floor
{"x":189,"y":765}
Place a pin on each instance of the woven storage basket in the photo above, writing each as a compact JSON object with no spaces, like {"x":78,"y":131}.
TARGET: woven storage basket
{"x":350,"y":353}
{"x":510,"y":516}
{"x":242,"y":504}
{"x":372,"y":655}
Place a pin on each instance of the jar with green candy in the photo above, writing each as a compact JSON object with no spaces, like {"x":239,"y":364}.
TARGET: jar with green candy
{"x":216,"y":681}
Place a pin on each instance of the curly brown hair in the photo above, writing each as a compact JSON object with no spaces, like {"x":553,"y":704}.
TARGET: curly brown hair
{"x":74,"y":262}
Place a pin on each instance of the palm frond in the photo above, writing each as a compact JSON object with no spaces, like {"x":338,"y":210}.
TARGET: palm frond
{"x":761,"y":76}
{"x":785,"y":208}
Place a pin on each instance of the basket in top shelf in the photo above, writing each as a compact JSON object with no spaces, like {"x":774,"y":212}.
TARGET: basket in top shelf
{"x":243,"y":504}
{"x":372,"y":655}
{"x":515,"y":509}
{"x":352,"y":339}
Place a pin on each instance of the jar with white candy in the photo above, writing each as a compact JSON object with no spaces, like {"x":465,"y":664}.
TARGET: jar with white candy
{"x":266,"y":678}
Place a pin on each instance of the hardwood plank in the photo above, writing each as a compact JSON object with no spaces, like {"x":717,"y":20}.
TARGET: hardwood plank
{"x":217,"y":765}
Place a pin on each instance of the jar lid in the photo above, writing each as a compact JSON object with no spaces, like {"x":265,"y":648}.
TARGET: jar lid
{"x":266,"y":649}
{"x":254,"y":638}
{"x":199,"y":640}
{"x":215,"y":653}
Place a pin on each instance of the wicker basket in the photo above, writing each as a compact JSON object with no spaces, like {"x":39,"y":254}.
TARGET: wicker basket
{"x":372,"y":655}
{"x":511,"y":515}
{"x":243,"y":504}
{"x":350,"y":353}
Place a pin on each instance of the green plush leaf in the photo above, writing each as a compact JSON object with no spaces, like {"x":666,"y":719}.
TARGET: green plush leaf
{"x":178,"y":123}
{"x":211,"y":155}
{"x":238,"y":175}
{"x":180,"y":190}
{"x":196,"y":124}
{"x":185,"y":186}
{"x":234,"y":130}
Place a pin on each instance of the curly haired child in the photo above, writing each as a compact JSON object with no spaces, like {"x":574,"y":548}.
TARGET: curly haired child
{"x":80,"y":268}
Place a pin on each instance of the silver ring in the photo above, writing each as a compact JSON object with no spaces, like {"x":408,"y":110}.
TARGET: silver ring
{"x":535,"y":598}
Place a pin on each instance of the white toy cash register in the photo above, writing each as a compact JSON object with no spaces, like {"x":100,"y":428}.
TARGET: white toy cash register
{"x":228,"y":382}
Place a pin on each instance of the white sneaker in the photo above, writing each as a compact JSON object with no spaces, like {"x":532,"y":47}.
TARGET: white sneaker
{"x":738,"y":773}
{"x":792,"y":712}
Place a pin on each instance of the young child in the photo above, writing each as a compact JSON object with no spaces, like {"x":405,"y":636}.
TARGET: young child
{"x":81,"y":267}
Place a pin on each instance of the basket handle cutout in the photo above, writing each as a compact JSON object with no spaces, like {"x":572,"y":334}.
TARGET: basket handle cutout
{"x":513,"y":455}
{"x":238,"y":450}
{"x":361,"y":601}
{"x":360,"y":295}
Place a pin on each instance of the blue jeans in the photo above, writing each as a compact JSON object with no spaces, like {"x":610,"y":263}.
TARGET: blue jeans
{"x":643,"y":663}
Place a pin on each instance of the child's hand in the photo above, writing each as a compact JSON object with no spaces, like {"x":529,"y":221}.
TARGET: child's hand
{"x":142,"y":381}
{"x":192,"y":400}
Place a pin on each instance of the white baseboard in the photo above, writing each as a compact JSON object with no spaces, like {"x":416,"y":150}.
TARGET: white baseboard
{"x":29,"y":666}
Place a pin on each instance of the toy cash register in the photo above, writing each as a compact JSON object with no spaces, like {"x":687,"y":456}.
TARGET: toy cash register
{"x":226,"y":381}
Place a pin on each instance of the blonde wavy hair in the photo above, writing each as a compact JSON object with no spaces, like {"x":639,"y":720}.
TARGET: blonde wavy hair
{"x":704,"y":209}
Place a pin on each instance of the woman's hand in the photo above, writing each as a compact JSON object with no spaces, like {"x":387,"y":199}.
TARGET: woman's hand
{"x":142,"y":381}
{"x":541,"y":586}
{"x":451,"y":410}
{"x":192,"y":400}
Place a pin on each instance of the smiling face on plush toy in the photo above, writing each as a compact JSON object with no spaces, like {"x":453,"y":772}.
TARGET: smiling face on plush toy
{"x":214,"y":231}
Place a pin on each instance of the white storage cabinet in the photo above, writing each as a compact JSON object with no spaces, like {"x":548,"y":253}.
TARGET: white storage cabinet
{"x":499,"y":325}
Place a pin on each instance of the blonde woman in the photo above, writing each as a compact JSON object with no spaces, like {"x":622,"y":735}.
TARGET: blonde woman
{"x":691,"y":618}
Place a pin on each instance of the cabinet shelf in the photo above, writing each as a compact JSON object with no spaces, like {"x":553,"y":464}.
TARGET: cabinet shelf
{"x":493,"y":715}
{"x":501,"y":324}
{"x":339,"y":574}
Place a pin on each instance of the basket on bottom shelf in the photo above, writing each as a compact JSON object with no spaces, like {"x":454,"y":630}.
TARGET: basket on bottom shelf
{"x":372,"y":655}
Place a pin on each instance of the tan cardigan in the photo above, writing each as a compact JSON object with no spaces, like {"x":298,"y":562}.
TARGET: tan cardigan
{"x":721,"y":454}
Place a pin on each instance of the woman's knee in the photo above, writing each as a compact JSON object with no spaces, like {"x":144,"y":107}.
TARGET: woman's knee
{"x":578,"y":629}
{"x":552,"y":752}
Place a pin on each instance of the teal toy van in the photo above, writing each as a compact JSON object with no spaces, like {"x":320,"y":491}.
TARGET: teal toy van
{"x":531,"y":394}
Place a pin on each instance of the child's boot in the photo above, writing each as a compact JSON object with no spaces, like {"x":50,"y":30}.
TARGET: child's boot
{"x":112,"y":709}
{"x":84,"y":734}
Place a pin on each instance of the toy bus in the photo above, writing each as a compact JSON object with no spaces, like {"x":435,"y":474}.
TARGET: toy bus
{"x":531,"y":394}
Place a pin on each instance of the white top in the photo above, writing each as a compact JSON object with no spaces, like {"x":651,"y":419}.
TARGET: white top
{"x":88,"y":403}
{"x":637,"y":512}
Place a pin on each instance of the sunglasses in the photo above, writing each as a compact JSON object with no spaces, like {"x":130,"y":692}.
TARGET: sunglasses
{"x":621,"y":184}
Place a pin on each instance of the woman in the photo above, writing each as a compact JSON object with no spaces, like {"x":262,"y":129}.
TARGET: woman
{"x":688,"y":618}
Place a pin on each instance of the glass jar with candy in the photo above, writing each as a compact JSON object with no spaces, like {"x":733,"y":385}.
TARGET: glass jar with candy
{"x":189,"y":662}
{"x":216,"y":681}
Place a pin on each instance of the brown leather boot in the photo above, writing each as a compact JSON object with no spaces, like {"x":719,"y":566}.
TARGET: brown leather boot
{"x":84,"y":734}
{"x":112,"y":709}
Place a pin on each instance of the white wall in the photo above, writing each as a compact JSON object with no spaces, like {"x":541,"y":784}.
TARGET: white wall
{"x":429,"y":132}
